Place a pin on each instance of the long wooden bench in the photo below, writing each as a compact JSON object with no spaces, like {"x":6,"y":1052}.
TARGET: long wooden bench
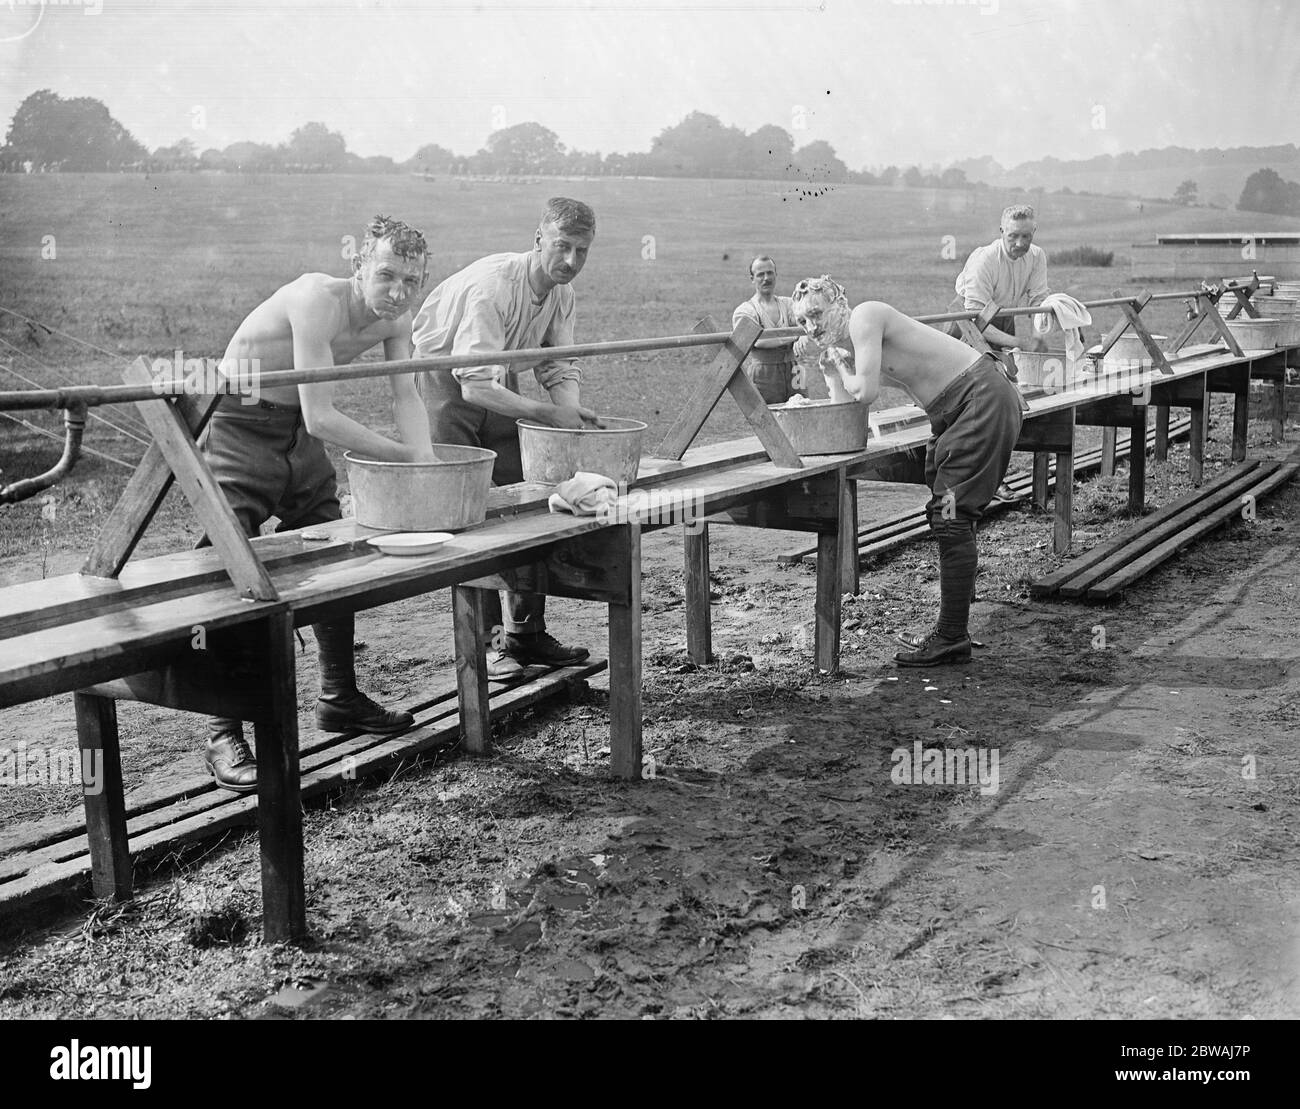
{"x":135,"y":634}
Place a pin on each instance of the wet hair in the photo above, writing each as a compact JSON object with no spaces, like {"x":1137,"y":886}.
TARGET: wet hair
{"x":831,"y":289}
{"x":569,"y":215}
{"x":761,"y":258}
{"x":405,"y":241}
{"x":1017,"y":211}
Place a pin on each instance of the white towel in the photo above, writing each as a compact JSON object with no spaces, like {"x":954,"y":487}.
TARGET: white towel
{"x":1071,"y":314}
{"x":584,"y":494}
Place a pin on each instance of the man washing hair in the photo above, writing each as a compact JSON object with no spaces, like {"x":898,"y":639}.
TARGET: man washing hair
{"x":974,"y":419}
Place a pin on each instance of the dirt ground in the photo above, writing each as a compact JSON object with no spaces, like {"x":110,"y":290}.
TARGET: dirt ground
{"x":1137,"y":857}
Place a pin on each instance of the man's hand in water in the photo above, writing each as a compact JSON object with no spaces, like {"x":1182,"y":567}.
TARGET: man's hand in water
{"x":573,"y":418}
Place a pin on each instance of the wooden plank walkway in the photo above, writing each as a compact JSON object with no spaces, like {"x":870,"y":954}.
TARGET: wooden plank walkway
{"x":1108,"y":569}
{"x":51,"y":857}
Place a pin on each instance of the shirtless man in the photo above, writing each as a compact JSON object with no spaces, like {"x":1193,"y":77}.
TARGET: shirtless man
{"x":974,"y":420}
{"x":270,"y":459}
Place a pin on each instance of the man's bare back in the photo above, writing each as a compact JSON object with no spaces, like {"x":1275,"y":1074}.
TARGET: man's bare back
{"x":267,"y":332}
{"x":889,"y":345}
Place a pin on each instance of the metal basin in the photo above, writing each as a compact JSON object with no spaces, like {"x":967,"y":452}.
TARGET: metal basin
{"x":1254,"y":334}
{"x":823,"y":426}
{"x":422,"y":496}
{"x":551,"y":455}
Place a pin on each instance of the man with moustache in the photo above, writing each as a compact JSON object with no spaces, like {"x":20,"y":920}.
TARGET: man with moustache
{"x":773,"y":372}
{"x":499,"y":303}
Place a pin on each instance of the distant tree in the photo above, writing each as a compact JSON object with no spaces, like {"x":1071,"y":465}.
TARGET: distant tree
{"x":523,"y":148}
{"x":253,"y":157}
{"x":768,"y":152}
{"x":863,"y":177}
{"x":912,"y":177}
{"x":430,"y":158}
{"x":1267,"y":191}
{"x":76,"y":134}
{"x":699,"y":146}
{"x":181,"y":155}
{"x":953,"y":178}
{"x":313,"y":147}
{"x":889,"y":175}
{"x":818,"y":162}
{"x":1186,"y":193}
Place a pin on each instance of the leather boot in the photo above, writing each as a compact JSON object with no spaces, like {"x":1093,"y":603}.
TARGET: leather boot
{"x":228,"y":757}
{"x":936,"y":650}
{"x":342,"y":708}
{"x":543,"y":648}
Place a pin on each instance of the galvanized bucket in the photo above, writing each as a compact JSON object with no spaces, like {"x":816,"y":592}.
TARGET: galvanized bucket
{"x":446,"y":495}
{"x":823,"y":426}
{"x":1254,"y":334}
{"x":1286,"y":310}
{"x":551,"y":455}
{"x":1049,"y":369}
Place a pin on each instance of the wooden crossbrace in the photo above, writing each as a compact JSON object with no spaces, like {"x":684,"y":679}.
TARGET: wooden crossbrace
{"x":181,"y":456}
{"x":725,"y":375}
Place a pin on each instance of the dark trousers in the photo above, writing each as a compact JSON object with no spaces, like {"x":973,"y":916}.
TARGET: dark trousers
{"x":453,"y":420}
{"x":974,"y":425}
{"x":267,"y":465}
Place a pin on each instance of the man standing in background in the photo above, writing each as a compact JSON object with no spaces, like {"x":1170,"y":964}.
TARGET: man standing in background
{"x":773,"y":372}
{"x":1010,"y":272}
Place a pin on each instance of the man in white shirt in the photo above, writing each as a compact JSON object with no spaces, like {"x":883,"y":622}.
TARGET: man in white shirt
{"x":773,"y":372}
{"x":1010,"y":272}
{"x":499,"y":303}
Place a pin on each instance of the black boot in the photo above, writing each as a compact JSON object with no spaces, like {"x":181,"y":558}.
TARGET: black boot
{"x":342,"y":708}
{"x":543,"y":648}
{"x":228,"y":757}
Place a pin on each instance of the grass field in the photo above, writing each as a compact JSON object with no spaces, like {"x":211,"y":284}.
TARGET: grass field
{"x":144,"y":265}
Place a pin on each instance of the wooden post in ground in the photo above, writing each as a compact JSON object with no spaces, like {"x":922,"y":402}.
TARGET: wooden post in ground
{"x":279,"y":804}
{"x":625,"y":657}
{"x":1109,"y":437}
{"x":471,"y":667}
{"x":847,"y":516}
{"x":1137,"y":458}
{"x":1162,"y":432}
{"x":1040,"y":490}
{"x":97,"y":742}
{"x":1054,"y":431}
{"x":699,"y":618}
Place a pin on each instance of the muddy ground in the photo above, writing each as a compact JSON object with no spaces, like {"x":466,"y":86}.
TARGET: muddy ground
{"x":1136,"y":859}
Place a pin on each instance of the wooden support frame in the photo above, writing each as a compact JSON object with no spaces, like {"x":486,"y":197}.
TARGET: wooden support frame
{"x":176,"y":443}
{"x":97,"y":742}
{"x":143,"y":495}
{"x":699,"y":624}
{"x":1054,"y":431}
{"x":625,"y":655}
{"x":725,"y":375}
{"x":279,"y":804}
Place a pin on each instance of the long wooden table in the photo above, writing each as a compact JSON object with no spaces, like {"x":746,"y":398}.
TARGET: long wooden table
{"x":171,"y":630}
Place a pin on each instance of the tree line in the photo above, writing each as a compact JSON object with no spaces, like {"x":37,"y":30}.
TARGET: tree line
{"x":78,"y":134}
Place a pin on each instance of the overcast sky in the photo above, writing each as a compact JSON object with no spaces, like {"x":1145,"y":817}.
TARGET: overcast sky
{"x":882,"y":80}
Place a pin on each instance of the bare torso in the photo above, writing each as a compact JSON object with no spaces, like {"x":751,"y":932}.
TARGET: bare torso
{"x":267,"y":334}
{"x":913,"y":356}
